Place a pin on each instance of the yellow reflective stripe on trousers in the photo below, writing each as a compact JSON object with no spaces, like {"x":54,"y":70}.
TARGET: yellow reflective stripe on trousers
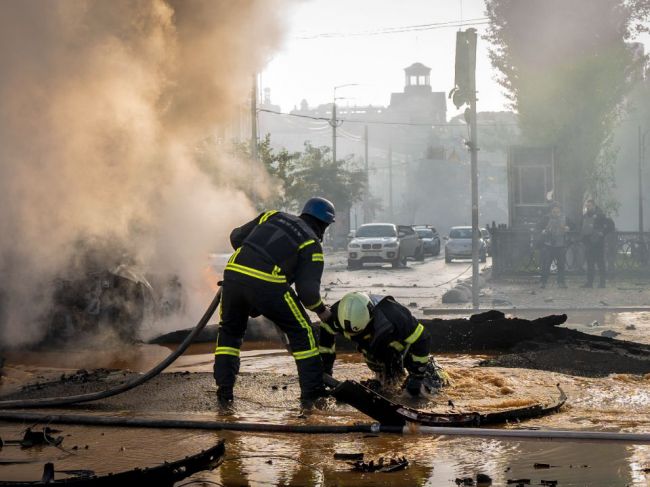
{"x":304,"y":244}
{"x":317,"y":258}
{"x":227,"y":351}
{"x":305,"y":354}
{"x":300,"y":318}
{"x":249,"y":271}
{"x":397,"y":346}
{"x":421,"y":359}
{"x":327,"y":349}
{"x":413,"y":337}
{"x":314,"y":306}
{"x":266,"y":216}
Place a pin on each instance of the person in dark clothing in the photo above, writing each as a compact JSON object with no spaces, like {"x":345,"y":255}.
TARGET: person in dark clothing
{"x":554,"y":228}
{"x":595,"y":225}
{"x":272,"y":252}
{"x":389,"y":337}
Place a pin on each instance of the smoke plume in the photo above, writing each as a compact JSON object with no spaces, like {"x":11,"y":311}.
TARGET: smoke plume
{"x":103,"y":106}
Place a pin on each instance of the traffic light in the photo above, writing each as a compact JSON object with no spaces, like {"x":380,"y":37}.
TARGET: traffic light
{"x":465,"y":89}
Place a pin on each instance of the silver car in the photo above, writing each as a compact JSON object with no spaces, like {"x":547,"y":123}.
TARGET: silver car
{"x":459,"y":245}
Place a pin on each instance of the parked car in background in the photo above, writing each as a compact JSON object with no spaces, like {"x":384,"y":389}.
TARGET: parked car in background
{"x":384,"y":242}
{"x":487,"y":238}
{"x":459,"y":245}
{"x":430,"y":239}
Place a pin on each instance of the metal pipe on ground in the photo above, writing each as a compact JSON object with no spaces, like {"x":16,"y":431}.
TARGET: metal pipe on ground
{"x":508,"y":434}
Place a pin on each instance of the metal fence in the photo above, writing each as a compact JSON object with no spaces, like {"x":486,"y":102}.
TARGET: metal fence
{"x":515,"y":251}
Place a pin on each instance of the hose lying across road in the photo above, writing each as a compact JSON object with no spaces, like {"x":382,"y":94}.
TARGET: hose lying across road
{"x":514,"y":434}
{"x":128,"y":385}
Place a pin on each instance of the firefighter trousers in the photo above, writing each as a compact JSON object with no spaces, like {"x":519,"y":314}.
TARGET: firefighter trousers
{"x":246,"y":296}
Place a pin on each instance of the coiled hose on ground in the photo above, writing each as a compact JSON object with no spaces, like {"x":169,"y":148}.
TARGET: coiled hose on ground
{"x":94,"y":396}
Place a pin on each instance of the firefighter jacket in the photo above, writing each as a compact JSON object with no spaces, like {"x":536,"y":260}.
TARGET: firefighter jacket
{"x":279,"y":248}
{"x":393,"y":334}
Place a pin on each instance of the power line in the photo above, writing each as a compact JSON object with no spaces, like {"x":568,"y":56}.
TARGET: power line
{"x":398,"y":30}
{"x":384,"y":122}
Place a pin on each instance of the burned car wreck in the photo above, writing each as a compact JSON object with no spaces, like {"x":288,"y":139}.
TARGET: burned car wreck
{"x":103,"y":289}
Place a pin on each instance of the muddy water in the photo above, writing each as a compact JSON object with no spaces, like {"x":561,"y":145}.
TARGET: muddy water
{"x":617,"y":403}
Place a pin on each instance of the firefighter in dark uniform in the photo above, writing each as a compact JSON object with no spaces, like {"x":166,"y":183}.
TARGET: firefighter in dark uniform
{"x":389,"y":337}
{"x":272,"y":252}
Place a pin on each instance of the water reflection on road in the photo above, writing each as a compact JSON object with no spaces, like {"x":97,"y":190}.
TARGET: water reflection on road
{"x":617,"y":403}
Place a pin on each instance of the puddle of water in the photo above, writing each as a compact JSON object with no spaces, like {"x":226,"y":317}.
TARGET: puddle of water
{"x":618,"y":402}
{"x":296,"y":460}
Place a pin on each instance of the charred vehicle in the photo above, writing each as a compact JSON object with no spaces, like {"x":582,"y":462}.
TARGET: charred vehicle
{"x":103,"y":290}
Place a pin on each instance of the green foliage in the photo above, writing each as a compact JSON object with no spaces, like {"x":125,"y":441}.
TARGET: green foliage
{"x":301,"y":175}
{"x":316,"y":174}
{"x":566,"y":68}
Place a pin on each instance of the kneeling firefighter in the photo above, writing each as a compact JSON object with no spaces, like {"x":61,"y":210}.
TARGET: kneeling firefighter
{"x":272,"y":252}
{"x":389,"y":337}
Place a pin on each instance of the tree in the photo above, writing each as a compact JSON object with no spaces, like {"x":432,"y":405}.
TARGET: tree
{"x":566,"y":67}
{"x":316,"y":174}
{"x":301,"y":175}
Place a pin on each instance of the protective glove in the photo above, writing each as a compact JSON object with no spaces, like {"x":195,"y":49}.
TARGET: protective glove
{"x":326,"y":315}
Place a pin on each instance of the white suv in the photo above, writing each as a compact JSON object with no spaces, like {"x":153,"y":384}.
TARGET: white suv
{"x":384,"y":242}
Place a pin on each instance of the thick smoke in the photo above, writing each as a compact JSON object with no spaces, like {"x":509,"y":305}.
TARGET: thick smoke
{"x":102,"y":108}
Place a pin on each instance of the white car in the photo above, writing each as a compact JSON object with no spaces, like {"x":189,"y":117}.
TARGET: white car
{"x":459,"y":245}
{"x":384,"y":242}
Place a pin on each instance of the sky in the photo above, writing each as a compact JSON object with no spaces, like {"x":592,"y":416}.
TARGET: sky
{"x":309,"y":64}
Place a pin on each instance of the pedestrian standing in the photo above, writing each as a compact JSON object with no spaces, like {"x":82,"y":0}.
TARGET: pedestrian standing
{"x":595,"y":226}
{"x":553,"y":244}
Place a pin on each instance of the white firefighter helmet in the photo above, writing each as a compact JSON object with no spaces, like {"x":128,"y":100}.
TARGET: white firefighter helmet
{"x":355,"y":312}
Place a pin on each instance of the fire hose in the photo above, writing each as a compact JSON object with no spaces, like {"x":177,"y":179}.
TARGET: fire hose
{"x":128,"y":385}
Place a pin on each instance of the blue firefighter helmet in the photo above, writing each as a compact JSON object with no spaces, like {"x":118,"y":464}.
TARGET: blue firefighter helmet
{"x":321,"y":209}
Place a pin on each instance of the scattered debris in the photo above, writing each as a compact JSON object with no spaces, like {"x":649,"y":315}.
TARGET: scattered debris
{"x":550,"y":483}
{"x":542,"y":465}
{"x":594,"y":323}
{"x":166,"y":474}
{"x":456,"y":296}
{"x":518,"y":482}
{"x":465,"y":481}
{"x":38,"y":438}
{"x":382,"y":465}
{"x":483,"y":479}
{"x":630,"y":327}
{"x":348,"y":456}
{"x":413,"y":304}
{"x":609,"y":334}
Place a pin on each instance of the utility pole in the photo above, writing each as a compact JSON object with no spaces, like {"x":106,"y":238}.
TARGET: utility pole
{"x":463,"y":93}
{"x":366,"y":210}
{"x":473,"y":148}
{"x":390,"y":183}
{"x":253,"y":135}
{"x":333,"y":123}
{"x":642,"y":247}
